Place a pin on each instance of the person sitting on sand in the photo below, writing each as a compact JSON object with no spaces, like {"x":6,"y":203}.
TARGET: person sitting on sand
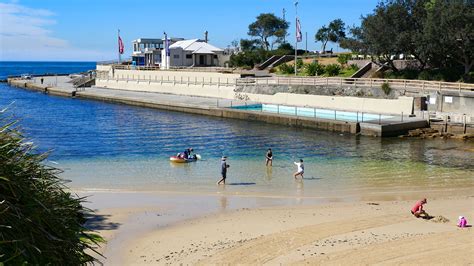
{"x":418,"y":211}
{"x":462,"y":222}
{"x":269,"y":157}
{"x":300,"y":170}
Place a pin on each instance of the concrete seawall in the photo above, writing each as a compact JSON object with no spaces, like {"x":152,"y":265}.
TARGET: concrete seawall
{"x":157,"y":101}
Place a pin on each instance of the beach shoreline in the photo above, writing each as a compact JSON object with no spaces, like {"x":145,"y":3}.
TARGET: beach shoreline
{"x":164,"y":228}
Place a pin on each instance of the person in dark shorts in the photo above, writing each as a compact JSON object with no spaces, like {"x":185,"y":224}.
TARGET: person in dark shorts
{"x":269,"y":157}
{"x":224,"y":167}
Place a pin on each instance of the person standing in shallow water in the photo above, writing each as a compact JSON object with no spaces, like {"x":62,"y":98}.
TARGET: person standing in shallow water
{"x":300,"y":170}
{"x":269,"y":158}
{"x":224,"y":167}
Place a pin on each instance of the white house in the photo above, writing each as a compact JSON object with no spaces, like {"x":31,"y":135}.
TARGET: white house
{"x":194,"y":53}
{"x":147,"y":51}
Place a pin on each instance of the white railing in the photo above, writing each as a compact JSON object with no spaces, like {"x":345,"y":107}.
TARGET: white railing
{"x":316,"y":112}
{"x":169,"y":79}
{"x":419,"y":85}
{"x":189,"y":69}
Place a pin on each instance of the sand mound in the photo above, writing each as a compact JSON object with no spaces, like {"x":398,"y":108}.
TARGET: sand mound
{"x":440,"y":219}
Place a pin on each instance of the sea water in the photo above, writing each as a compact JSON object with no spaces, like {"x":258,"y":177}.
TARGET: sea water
{"x":12,"y":68}
{"x":104,"y":146}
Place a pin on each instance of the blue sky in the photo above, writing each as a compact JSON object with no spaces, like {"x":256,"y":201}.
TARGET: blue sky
{"x":85,"y":30}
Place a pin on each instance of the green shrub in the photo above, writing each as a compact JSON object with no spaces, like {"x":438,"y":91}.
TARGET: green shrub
{"x":343,"y":58}
{"x":41,"y":223}
{"x":354,"y":67}
{"x":286,"y":69}
{"x":333,"y":70}
{"x":299,"y":63}
{"x":386,"y":88}
{"x":313,"y":69}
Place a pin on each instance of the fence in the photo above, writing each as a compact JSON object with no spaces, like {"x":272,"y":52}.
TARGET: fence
{"x":189,"y":69}
{"x":169,"y":79}
{"x":316,"y":112}
{"x":419,"y":85}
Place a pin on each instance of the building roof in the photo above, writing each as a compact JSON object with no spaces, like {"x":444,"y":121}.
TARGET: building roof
{"x":196,"y":46}
{"x":152,"y":40}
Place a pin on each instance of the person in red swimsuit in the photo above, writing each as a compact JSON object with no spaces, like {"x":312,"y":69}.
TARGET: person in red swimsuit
{"x":417,"y":210}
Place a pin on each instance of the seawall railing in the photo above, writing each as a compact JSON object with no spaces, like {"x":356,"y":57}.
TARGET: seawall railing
{"x":420,"y":85}
{"x":169,"y":79}
{"x":189,"y":69}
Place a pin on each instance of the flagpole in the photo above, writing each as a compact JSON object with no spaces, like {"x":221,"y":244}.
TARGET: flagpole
{"x":296,"y":36}
{"x":118,"y":42}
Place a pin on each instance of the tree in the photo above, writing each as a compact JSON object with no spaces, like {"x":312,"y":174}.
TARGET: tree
{"x":41,"y":221}
{"x":334,"y":32}
{"x":439,"y":34}
{"x":449,"y":28}
{"x":248,"y":45}
{"x":270,"y":30}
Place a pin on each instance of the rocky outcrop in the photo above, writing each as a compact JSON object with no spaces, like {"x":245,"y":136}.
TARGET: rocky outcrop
{"x":430,"y":133}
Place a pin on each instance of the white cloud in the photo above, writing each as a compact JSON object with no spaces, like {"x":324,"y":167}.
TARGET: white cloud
{"x":24,"y":35}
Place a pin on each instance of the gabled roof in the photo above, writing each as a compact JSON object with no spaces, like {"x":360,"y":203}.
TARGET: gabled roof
{"x":196,"y":46}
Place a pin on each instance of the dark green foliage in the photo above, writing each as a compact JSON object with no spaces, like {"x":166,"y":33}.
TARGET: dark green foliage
{"x":449,"y":75}
{"x":354,"y":67}
{"x":248,"y":59}
{"x":333,"y":70}
{"x":314,"y":69}
{"x":286,"y":69}
{"x":248,"y":45}
{"x":386,"y":88}
{"x":266,"y":27}
{"x":299,"y":63}
{"x":332,"y":33}
{"x":41,"y":222}
{"x":343,"y":58}
{"x":439,"y":34}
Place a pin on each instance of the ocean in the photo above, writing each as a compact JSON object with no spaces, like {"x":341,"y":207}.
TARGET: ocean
{"x":11,"y":68}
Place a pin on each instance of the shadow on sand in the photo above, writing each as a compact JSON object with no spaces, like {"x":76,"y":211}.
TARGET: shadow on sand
{"x":242,"y":184}
{"x":98,"y":222}
{"x":312,"y":178}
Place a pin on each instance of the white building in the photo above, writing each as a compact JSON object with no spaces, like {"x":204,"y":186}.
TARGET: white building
{"x":194,"y":53}
{"x":147,"y":51}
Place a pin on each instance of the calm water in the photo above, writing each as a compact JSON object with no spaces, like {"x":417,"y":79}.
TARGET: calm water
{"x":110,"y":146}
{"x":313,"y":112}
{"x":35,"y":68}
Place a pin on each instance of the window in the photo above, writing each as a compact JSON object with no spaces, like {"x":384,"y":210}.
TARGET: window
{"x":215,"y":56}
{"x":176,"y":56}
{"x":189,"y":56}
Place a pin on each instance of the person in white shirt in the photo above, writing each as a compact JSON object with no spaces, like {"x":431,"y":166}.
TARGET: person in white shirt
{"x":300,"y":170}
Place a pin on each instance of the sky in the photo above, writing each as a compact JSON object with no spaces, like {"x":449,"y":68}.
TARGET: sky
{"x":86,"y":30}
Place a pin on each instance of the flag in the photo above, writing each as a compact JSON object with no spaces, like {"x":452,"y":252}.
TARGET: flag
{"x":167,"y":46}
{"x":120,"y":45}
{"x":299,"y":36}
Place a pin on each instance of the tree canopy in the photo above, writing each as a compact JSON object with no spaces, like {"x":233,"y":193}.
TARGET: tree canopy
{"x":334,"y":32}
{"x":437,"y":33}
{"x":270,"y":30}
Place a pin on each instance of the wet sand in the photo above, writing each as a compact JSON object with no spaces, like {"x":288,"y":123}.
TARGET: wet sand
{"x":161,"y":228}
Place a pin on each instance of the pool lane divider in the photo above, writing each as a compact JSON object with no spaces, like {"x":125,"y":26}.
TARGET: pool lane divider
{"x":368,"y":129}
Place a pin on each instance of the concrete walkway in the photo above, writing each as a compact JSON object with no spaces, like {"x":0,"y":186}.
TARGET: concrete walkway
{"x":160,"y":98}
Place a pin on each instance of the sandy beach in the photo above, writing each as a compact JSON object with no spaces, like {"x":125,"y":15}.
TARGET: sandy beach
{"x":338,"y":233}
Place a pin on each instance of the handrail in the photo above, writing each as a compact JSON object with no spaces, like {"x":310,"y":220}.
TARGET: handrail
{"x":189,"y":69}
{"x":394,"y":117}
{"x":360,"y":82}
